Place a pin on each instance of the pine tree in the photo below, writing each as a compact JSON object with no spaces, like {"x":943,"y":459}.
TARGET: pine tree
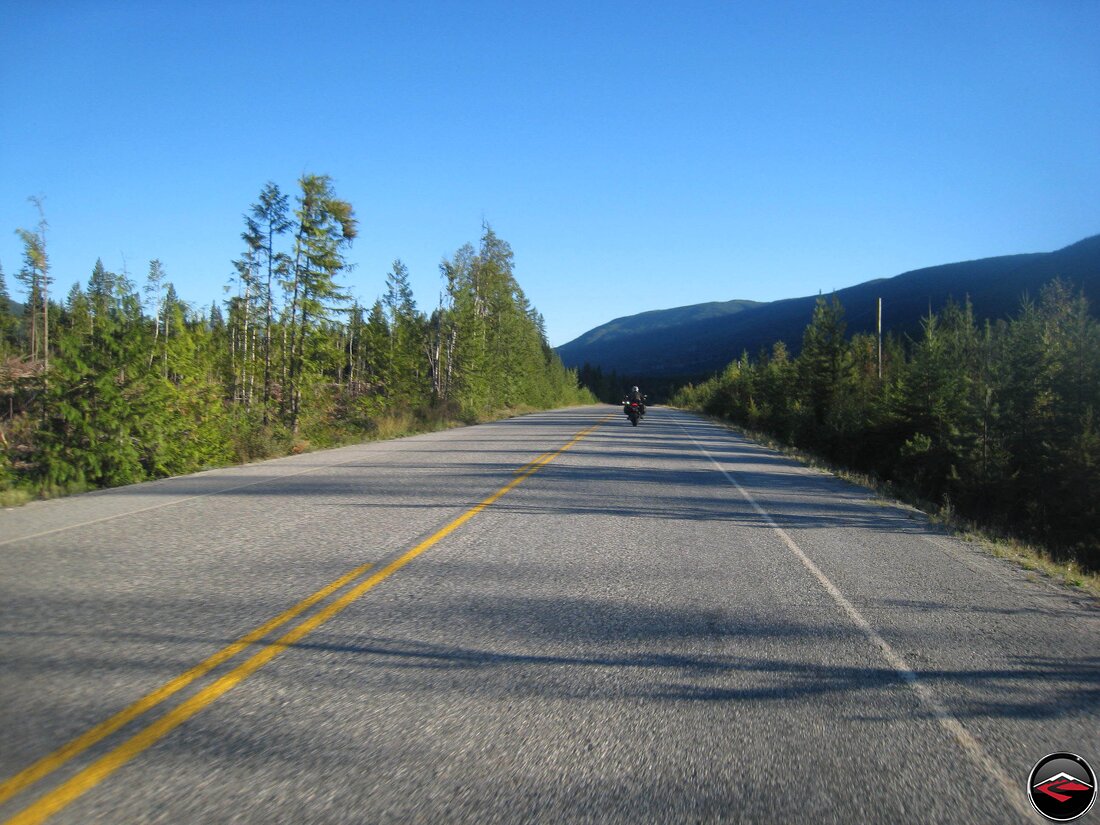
{"x":326,"y":226}
{"x":375,"y":347}
{"x":937,"y":402}
{"x":821,"y":362}
{"x":35,"y":276}
{"x":193,"y":434}
{"x":99,"y":407}
{"x":215,"y":320}
{"x":7,"y":317}
{"x":1071,"y":471}
{"x":101,"y":291}
{"x":405,"y":383}
{"x":1026,"y":409}
{"x":78,"y":311}
{"x":778,"y":391}
{"x":268,"y":218}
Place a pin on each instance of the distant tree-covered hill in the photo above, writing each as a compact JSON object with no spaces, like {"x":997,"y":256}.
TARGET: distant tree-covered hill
{"x":648,"y":322}
{"x":692,"y":341}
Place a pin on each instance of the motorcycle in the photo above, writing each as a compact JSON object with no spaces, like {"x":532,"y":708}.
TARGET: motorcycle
{"x":633,"y":411}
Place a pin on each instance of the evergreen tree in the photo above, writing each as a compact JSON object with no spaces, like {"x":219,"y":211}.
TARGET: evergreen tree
{"x":268,"y":218}
{"x":1071,"y":436}
{"x":78,"y":311}
{"x":7,"y":317}
{"x":193,"y":432}
{"x":821,"y":362}
{"x":466,"y":376}
{"x":101,"y":291}
{"x":35,"y":276}
{"x":406,"y":380}
{"x":937,"y":401}
{"x":1026,"y":409}
{"x":326,"y":226}
{"x":99,"y":407}
{"x":778,"y":391}
{"x":215,"y":320}
{"x":375,"y":348}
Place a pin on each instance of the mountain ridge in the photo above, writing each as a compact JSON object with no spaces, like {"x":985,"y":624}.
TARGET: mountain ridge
{"x":699,"y":339}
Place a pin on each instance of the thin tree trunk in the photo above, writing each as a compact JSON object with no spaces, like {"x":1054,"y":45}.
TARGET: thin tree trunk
{"x":45,"y":316}
{"x":166,"y":342}
{"x":245,"y":305}
{"x":296,"y":372}
{"x":156,"y":337}
{"x":252,"y":370}
{"x":233,"y":358}
{"x":34,"y":316}
{"x":293,"y":389}
{"x":267,"y":325}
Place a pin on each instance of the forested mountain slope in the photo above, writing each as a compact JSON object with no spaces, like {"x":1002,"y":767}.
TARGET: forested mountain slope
{"x":701,"y":339}
{"x":648,"y":322}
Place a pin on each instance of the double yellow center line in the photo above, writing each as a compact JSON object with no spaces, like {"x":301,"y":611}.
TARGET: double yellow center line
{"x":104,"y":766}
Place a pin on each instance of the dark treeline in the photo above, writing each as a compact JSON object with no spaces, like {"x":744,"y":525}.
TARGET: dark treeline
{"x":121,"y":382}
{"x":999,"y":421}
{"x":610,"y":387}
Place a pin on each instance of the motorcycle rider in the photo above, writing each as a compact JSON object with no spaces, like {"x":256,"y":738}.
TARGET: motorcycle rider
{"x":636,"y":395}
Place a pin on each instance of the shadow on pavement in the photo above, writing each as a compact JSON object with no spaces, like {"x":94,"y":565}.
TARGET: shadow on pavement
{"x":589,"y":648}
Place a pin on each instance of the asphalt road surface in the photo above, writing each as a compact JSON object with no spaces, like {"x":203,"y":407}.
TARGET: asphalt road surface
{"x":556,"y":618}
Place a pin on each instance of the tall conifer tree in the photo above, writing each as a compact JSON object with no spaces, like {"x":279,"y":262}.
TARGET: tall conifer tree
{"x":326,"y":226}
{"x":268,"y":219}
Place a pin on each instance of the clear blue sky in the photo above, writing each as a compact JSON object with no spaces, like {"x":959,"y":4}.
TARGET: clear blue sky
{"x":636,"y":155}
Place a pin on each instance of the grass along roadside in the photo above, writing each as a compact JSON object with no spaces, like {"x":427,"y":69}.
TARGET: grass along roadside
{"x":385,"y":427}
{"x":1040,"y":563}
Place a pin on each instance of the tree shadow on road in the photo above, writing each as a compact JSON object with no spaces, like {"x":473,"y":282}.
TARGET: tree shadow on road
{"x":587,"y":648}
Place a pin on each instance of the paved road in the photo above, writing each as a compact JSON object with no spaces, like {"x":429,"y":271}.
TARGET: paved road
{"x":661,"y":624}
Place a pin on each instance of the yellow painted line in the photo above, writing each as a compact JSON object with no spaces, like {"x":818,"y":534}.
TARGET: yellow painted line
{"x":48,"y":764}
{"x":529,"y":464}
{"x":110,"y":762}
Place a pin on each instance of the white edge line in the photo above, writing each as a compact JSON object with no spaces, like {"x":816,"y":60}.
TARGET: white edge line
{"x":978,"y":755}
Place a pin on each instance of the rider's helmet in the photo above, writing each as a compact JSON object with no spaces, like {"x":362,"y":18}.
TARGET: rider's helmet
{"x":633,"y":389}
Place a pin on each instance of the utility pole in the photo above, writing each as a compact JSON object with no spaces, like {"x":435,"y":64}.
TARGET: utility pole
{"x":880,"y":339}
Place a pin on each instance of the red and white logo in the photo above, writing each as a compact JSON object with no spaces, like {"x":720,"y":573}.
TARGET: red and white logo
{"x":1062,"y":786}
